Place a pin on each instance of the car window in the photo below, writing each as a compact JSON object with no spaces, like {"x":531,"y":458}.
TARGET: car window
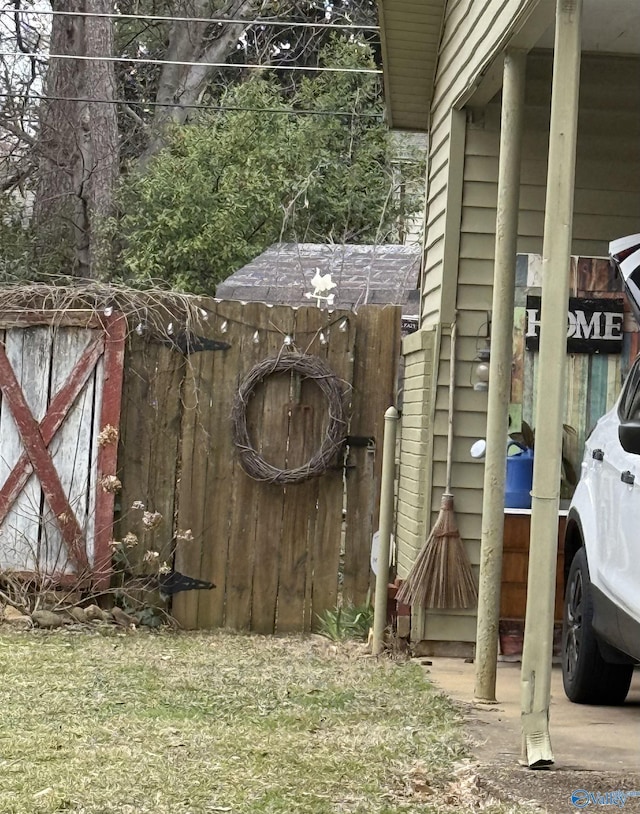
{"x":629,"y":409}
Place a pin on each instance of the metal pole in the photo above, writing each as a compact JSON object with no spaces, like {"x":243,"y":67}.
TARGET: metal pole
{"x":386,"y":521}
{"x":499,"y":375}
{"x":538,"y":637}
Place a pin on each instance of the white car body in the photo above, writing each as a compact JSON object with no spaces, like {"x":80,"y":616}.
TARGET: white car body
{"x":601,"y":627}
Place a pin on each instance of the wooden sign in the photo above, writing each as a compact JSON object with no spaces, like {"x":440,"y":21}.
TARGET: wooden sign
{"x":593,"y":325}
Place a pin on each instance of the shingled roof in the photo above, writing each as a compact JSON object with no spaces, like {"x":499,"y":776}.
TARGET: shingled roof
{"x":386,"y":274}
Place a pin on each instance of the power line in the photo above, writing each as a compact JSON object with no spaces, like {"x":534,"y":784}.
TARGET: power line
{"x":220,"y":108}
{"x":239,"y":65}
{"x":213,"y":20}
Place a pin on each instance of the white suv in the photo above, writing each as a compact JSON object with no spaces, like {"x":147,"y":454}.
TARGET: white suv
{"x":601,"y":626}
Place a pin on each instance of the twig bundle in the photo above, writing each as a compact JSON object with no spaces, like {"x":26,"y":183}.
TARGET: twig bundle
{"x":308,"y":367}
{"x":151,"y":307}
{"x":441,"y":576}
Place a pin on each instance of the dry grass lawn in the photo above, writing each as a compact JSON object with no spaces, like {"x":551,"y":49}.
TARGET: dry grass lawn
{"x":173,"y":723}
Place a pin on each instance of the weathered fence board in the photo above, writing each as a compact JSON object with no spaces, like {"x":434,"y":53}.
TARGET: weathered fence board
{"x":375,"y":362}
{"x":71,"y":447}
{"x":150,"y":431}
{"x":22,"y":521}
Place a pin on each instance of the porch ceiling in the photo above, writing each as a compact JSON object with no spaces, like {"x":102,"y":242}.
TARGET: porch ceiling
{"x":609,"y":27}
{"x":411,"y":31}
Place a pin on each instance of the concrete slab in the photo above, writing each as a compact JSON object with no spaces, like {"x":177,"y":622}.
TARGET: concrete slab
{"x":583,"y":738}
{"x":595,"y":748}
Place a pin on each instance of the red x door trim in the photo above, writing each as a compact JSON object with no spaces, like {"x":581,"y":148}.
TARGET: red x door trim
{"x":36,"y":438}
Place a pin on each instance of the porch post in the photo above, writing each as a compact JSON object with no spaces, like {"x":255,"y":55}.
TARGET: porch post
{"x":499,"y":374}
{"x":538,"y":636}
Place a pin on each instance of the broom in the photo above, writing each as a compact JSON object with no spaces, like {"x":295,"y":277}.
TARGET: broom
{"x":441,"y":575}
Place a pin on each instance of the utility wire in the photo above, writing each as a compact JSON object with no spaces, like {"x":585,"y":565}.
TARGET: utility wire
{"x":233,"y":108}
{"x":239,"y":65}
{"x":213,"y":20}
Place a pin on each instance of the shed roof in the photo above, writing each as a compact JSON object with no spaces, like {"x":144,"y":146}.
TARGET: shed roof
{"x":385,"y":274}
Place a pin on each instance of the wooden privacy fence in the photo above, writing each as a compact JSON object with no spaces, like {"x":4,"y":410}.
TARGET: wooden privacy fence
{"x":278,"y":554}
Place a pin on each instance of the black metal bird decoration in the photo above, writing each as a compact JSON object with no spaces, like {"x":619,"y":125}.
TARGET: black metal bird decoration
{"x":173,"y":582}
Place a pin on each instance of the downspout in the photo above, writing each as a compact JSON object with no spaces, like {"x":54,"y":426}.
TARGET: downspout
{"x":499,"y":374}
{"x":556,"y":253}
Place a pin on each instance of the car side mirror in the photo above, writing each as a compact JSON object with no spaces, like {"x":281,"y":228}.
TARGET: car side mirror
{"x":629,"y":435}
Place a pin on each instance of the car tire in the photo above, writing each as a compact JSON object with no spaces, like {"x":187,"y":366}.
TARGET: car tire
{"x":587,"y":677}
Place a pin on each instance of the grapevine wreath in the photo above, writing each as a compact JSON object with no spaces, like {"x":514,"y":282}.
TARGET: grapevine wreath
{"x":307,"y":367}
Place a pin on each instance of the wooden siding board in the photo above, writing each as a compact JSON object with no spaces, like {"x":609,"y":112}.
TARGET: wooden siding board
{"x":478,"y":36}
{"x":410,"y":496}
{"x":448,"y":627}
{"x":607,"y":201}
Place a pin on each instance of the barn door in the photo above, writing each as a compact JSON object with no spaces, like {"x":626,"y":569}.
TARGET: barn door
{"x":60,"y":386}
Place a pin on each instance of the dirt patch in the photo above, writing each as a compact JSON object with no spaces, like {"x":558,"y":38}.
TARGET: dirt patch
{"x":551,"y":789}
{"x":502,"y":777}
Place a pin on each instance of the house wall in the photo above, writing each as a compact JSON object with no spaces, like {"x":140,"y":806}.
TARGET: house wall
{"x":463,"y":187}
{"x":420,"y":352}
{"x":473,"y":34}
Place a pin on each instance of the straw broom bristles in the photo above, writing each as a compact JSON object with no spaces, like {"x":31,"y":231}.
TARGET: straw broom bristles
{"x":441,"y":575}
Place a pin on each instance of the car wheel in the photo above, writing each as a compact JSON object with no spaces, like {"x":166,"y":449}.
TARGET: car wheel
{"x":587,"y":677}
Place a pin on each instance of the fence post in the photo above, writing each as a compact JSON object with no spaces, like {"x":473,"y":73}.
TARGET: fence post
{"x":386,"y":519}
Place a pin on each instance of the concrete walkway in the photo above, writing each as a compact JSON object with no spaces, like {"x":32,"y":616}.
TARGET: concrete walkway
{"x":583,"y":738}
{"x":595,"y":748}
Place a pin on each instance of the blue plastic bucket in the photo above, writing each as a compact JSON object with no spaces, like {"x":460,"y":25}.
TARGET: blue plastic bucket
{"x":519,"y":480}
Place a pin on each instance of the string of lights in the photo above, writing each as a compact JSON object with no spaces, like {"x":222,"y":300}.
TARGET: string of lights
{"x":262,"y":21}
{"x":189,"y":64}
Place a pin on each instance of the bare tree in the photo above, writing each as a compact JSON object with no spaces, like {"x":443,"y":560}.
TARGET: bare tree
{"x":18,"y":77}
{"x":182,"y":86}
{"x":78,"y":144}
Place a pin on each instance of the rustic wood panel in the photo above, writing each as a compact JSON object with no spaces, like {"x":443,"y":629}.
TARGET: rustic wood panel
{"x":149,"y":442}
{"x":104,"y":457}
{"x":300,"y":512}
{"x":276,"y":552}
{"x":70,"y":448}
{"x":51,"y":373}
{"x":270,"y":434}
{"x":243,"y":519}
{"x":29,"y":354}
{"x":326,"y":546}
{"x":515,"y":561}
{"x":377,"y":355}
{"x":191,"y":492}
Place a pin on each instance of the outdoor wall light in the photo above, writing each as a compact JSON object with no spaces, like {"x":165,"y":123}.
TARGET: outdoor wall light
{"x":480,"y":370}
